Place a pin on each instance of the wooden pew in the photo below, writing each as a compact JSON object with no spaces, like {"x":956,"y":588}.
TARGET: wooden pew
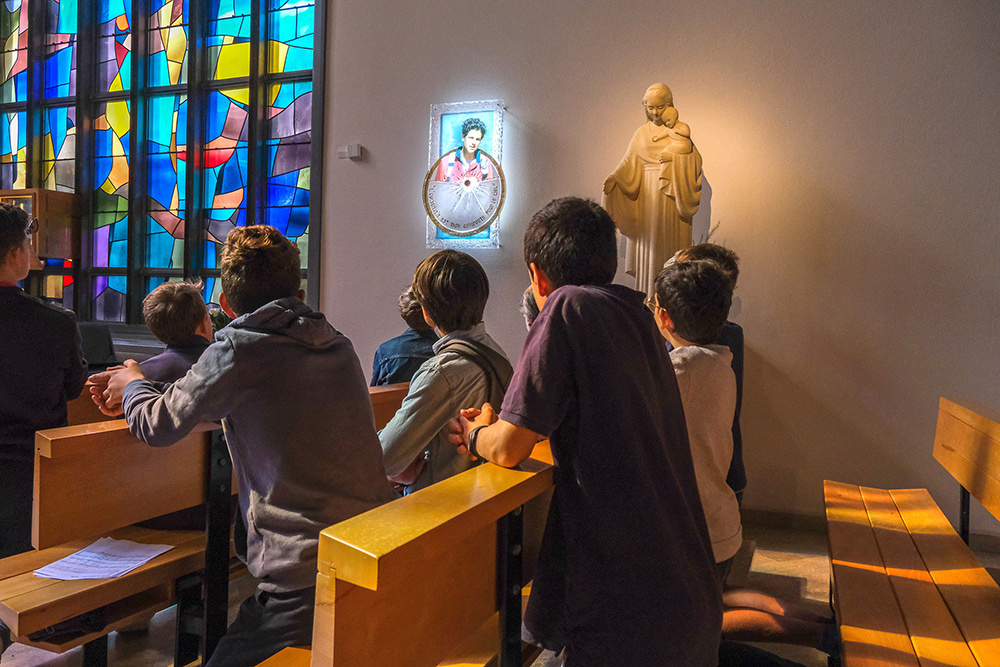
{"x":906,"y":588}
{"x":386,"y":400}
{"x":96,"y":479}
{"x":416,"y":582}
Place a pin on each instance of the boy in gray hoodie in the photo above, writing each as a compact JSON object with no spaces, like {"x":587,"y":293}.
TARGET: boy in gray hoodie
{"x":294,"y":404}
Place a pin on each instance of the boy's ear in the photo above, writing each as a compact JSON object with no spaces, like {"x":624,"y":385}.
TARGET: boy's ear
{"x":540,"y":281}
{"x":226,"y":308}
{"x":663,"y":320}
{"x":427,"y":318}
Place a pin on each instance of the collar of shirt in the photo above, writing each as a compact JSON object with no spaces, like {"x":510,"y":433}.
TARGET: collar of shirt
{"x":476,"y":333}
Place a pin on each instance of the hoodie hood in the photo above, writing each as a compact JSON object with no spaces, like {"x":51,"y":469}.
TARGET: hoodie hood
{"x":285,"y":317}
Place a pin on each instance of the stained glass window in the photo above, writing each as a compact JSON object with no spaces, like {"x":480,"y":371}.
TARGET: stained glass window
{"x":290,"y":28}
{"x":59,"y":148}
{"x":14,"y":53}
{"x":13,"y":137}
{"x":166,"y":157}
{"x":111,"y":182}
{"x":144,"y":226}
{"x":229,"y":39}
{"x":115,"y":46}
{"x":168,"y":42}
{"x":225,"y":170}
{"x":60,"y":49}
{"x":289,"y":157}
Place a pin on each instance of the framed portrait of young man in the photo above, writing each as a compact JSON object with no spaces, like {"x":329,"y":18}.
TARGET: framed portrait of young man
{"x":464,"y":189}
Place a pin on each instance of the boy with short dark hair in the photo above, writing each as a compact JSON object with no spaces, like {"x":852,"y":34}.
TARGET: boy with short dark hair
{"x":468,"y":368}
{"x":292,"y":398}
{"x":41,"y":367}
{"x":398,"y":359}
{"x":626,"y":574}
{"x":176,"y":314}
{"x":732,"y":337}
{"x":690,"y":307}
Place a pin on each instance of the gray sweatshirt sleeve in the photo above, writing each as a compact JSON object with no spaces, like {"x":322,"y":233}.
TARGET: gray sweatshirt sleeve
{"x":161,"y":417}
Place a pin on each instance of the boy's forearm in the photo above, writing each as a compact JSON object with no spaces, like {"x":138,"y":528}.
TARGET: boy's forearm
{"x":505,"y":444}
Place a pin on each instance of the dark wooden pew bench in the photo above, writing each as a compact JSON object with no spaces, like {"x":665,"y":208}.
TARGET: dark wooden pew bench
{"x":906,"y":588}
{"x":436,"y":578}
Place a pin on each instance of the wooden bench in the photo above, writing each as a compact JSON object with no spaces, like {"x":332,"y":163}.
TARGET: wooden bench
{"x":96,"y":479}
{"x":435,"y":578}
{"x":906,"y":588}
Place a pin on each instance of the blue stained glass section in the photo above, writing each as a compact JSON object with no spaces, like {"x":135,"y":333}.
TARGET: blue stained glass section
{"x":66,"y":23}
{"x":114,"y":8}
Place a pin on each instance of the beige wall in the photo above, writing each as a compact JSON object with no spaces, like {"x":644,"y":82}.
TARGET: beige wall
{"x":851,"y":150}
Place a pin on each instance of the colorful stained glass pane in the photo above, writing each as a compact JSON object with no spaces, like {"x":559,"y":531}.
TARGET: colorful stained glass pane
{"x":228,"y":41}
{"x":13,"y":142}
{"x":59,"y":148}
{"x":109,"y":298}
{"x":225,"y":163}
{"x":289,"y":156}
{"x":168,"y":42}
{"x":114,"y":73}
{"x":60,"y":49}
{"x":290,"y":25}
{"x":166,"y":157}
{"x":111,"y":182}
{"x":13,"y":50}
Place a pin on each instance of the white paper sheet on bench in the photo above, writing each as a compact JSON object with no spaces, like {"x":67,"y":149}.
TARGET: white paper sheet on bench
{"x":104,"y":559}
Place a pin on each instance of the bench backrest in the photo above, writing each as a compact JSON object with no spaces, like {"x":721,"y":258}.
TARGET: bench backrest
{"x":406,"y":583}
{"x":967,"y":444}
{"x":94,"y":478}
{"x":386,"y":400}
{"x":81,"y":410}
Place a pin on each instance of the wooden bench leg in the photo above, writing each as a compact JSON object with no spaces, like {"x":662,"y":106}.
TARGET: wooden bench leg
{"x":95,"y":652}
{"x":510,"y":535}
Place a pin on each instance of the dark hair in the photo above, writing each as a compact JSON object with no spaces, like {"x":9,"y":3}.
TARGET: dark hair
{"x":573,"y":242}
{"x":258,"y":266}
{"x":528,"y":307}
{"x":453,"y":288}
{"x":696,"y":296}
{"x":410,"y":311}
{"x":728,"y":260}
{"x":174,"y":310}
{"x":473,"y":124}
{"x":13,"y":228}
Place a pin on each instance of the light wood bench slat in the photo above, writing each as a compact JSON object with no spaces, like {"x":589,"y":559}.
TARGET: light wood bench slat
{"x":84,"y":494}
{"x":935,"y":637}
{"x":31,"y":603}
{"x":970,"y":593}
{"x":120,"y":613}
{"x":478,"y":650}
{"x":967,"y":444}
{"x":872,"y":628}
{"x":433,"y":551}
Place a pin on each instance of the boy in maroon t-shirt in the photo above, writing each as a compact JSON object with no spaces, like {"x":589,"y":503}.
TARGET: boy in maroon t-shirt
{"x":626,"y":574}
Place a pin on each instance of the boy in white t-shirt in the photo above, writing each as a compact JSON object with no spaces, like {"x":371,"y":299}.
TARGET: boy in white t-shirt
{"x":690,"y":307}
